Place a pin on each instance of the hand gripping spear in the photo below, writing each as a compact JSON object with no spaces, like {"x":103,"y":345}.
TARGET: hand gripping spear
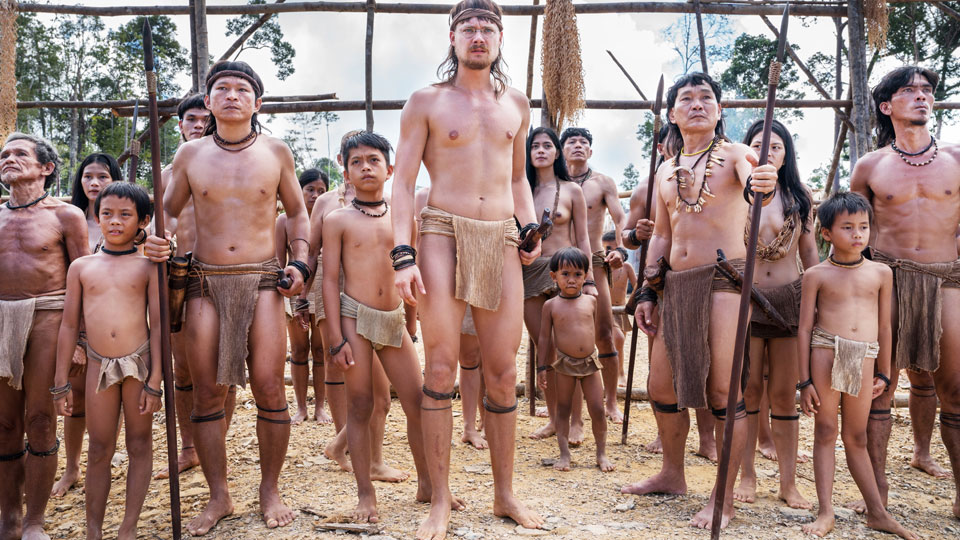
{"x":723,"y":469}
{"x":164,"y":321}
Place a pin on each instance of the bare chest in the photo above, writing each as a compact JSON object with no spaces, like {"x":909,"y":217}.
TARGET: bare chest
{"x":935,"y":185}
{"x":217,"y":176}
{"x":460,"y":121}
{"x":37,"y":233}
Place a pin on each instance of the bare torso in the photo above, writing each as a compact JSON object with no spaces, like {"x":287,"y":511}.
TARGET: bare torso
{"x":563,"y":233}
{"x":786,"y":269}
{"x":365,"y":244}
{"x":573,"y":324}
{"x":111,"y":286}
{"x":844,"y":295}
{"x":597,"y":189}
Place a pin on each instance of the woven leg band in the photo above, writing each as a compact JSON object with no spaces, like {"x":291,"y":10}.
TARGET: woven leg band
{"x":950,"y":420}
{"x":439,"y":396}
{"x":923,"y":391}
{"x":295,"y":363}
{"x":754,"y":412}
{"x":14,"y":456}
{"x":792,"y":418}
{"x":333,"y":383}
{"x":880,"y":414}
{"x":608,"y":355}
{"x":665,"y":408}
{"x":498,"y":409}
{"x":48,"y":453}
{"x":187,"y":388}
{"x":219,"y":415}
{"x":286,"y":406}
{"x":471,"y":368}
{"x":721,"y":414}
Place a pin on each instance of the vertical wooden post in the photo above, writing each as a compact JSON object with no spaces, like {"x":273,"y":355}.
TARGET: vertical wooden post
{"x":202,"y":48}
{"x":368,"y":68}
{"x":860,"y":114}
{"x":703,"y":45}
{"x":193,"y":47}
{"x":532,"y":375}
{"x":834,"y":179}
{"x":532,"y":52}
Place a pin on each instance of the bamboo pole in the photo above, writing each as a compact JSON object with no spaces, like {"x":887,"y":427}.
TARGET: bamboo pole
{"x":531,"y":52}
{"x":202,"y":51}
{"x":703,"y":43}
{"x":246,"y":34}
{"x":368,"y":64}
{"x":857,"y":52}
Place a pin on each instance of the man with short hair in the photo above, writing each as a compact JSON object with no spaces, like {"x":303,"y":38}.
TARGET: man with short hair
{"x":469,"y":131}
{"x":41,"y":237}
{"x":234,"y":312}
{"x":913,"y":183}
{"x":701,"y":207}
{"x":602,"y":196}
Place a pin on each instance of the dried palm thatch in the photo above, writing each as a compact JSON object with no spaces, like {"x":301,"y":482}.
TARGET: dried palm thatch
{"x":560,"y":59}
{"x":8,"y":64}
{"x":876,"y":19}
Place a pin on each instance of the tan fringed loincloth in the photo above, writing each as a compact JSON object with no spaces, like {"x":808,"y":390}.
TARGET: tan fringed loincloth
{"x":622,"y":320}
{"x":598,"y":259}
{"x":685,"y":323}
{"x":315,"y":295}
{"x":919,"y":304}
{"x":467,"y":326}
{"x":479,"y":265}
{"x":537,"y":280}
{"x":16,"y":322}
{"x":233,"y":289}
{"x":380,"y":328}
{"x":785,"y":300}
{"x":115,"y":370}
{"x":572,"y":366}
{"x":847,"y":373}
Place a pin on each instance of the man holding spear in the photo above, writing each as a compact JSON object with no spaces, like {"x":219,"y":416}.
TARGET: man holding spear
{"x":700,"y":207}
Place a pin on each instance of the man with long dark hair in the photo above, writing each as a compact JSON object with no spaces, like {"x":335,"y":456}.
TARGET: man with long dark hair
{"x":469,"y":130}
{"x":913,"y":183}
{"x":701,"y":207}
{"x":234,"y":312}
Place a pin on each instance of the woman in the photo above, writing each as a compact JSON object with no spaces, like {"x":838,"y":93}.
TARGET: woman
{"x":786,"y":240}
{"x":552,"y":188}
{"x":94,"y":174}
{"x":302,"y":327}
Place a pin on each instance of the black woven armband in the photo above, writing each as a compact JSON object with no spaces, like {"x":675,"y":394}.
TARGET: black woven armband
{"x":647,"y":294}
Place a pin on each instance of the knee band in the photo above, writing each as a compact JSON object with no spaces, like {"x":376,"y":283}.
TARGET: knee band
{"x":608,"y":355}
{"x":950,"y":420}
{"x":439,"y":396}
{"x":51,"y":452}
{"x":286,"y":406}
{"x":471,"y":368}
{"x":295,"y":363}
{"x":219,"y":415}
{"x":883,"y":413}
{"x":754,"y":412}
{"x":79,"y":415}
{"x":187,"y":388}
{"x":792,"y":418}
{"x":422,"y":408}
{"x":333,"y":383}
{"x":740,"y":412}
{"x":498,"y":409}
{"x":923,"y":391}
{"x":14,"y":456}
{"x":274,"y":420}
{"x":666,"y":408}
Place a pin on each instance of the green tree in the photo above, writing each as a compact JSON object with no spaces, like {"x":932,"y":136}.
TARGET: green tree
{"x":302,"y":138}
{"x":269,"y":36}
{"x":38,"y":70}
{"x":330,"y":167}
{"x":631,"y":176}
{"x":682,"y":35}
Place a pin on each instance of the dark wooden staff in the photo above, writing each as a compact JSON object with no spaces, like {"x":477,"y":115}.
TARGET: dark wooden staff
{"x":529,"y":242}
{"x":658,"y":104}
{"x":723,"y":468}
{"x":164,"y":322}
{"x":134,"y":146}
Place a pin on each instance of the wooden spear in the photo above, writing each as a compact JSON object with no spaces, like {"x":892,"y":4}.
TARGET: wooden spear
{"x":164,"y":321}
{"x":134,"y":146}
{"x":743,"y":322}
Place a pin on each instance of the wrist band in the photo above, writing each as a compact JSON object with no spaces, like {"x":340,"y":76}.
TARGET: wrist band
{"x":526,"y":230}
{"x":336,"y":350}
{"x":302,"y":304}
{"x":590,"y":283}
{"x":60,"y":392}
{"x":302,"y":268}
{"x":647,"y":294}
{"x":543,"y":368}
{"x":404,"y":263}
{"x":632,"y":236}
{"x":623,"y":253}
{"x":748,"y":191}
{"x":884,"y":378}
{"x":152,"y":391}
{"x":804,"y":384}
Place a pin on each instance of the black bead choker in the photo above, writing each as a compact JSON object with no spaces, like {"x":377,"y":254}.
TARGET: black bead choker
{"x":853,"y":264}
{"x":223,"y":143}
{"x":359,"y":205}
{"x":118,"y":253}
{"x":580,"y":292}
{"x":29,"y":204}
{"x":583,"y":177}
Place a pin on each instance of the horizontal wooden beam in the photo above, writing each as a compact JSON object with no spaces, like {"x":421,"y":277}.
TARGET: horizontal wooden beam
{"x":718,"y":8}
{"x":171,"y":102}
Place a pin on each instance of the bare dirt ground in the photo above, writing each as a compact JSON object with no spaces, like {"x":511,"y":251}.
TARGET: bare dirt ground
{"x":577,"y":504}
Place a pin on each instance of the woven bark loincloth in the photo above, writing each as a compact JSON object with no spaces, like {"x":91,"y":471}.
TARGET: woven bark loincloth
{"x":115,"y":370}
{"x":479,"y":270}
{"x":380,"y":328}
{"x":785,"y":299}
{"x":572,"y":366}
{"x":16,"y":322}
{"x":467,"y":326}
{"x":919,"y":302}
{"x":598,"y":259}
{"x":685,"y":323}
{"x":233,"y":289}
{"x":623,"y":321}
{"x":847,"y":373}
{"x":537,"y":280}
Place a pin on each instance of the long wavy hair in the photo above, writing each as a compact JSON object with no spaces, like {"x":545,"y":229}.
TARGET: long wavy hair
{"x":79,"y":198}
{"x":447,"y":71}
{"x":559,"y":164}
{"x":242,"y":67}
{"x":884,"y":91}
{"x":795,"y":197}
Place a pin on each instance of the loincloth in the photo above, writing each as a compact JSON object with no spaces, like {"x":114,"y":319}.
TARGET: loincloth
{"x":785,"y":300}
{"x":479,"y":269}
{"x":684,"y":325}
{"x":115,"y":370}
{"x":847,"y":373}
{"x":919,"y":303}
{"x":315,"y":294}
{"x":233,"y":289}
{"x":598,"y":260}
{"x":537,"y":280}
{"x":380,"y":328}
{"x":622,"y":320}
{"x":572,"y":366}
{"x":467,"y":326}
{"x":16,"y":322}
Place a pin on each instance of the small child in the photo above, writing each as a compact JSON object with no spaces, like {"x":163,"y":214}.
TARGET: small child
{"x":850,"y":297}
{"x":621,"y":278}
{"x":571,"y":318}
{"x":116,"y":289}
{"x":370,"y":315}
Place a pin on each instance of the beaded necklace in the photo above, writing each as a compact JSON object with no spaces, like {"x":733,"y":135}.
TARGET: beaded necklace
{"x":697,"y":205}
{"x":903,"y":155}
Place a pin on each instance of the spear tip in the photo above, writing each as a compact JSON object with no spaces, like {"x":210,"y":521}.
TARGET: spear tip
{"x":147,"y":45}
{"x":781,"y":46}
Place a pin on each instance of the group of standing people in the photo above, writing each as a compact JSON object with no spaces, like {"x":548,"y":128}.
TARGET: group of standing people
{"x":356,"y":271}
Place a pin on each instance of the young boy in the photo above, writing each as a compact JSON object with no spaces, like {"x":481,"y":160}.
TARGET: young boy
{"x":621,"y":278}
{"x":370,"y":315}
{"x":116,"y":289}
{"x":571,"y":318}
{"x":850,"y":297}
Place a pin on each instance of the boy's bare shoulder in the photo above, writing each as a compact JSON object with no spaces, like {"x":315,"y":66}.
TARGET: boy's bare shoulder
{"x":882,"y":269}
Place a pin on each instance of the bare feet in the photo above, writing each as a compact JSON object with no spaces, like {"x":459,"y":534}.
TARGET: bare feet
{"x":622,"y":380}
{"x":67,"y":481}
{"x":10,"y":525}
{"x":339,"y":455}
{"x":542,"y":412}
{"x":576,"y":434}
{"x":424,"y":496}
{"x":275,"y":513}
{"x":474,"y":438}
{"x":562,"y":463}
{"x":381,"y":472}
{"x":435,"y":526}
{"x":794,"y":499}
{"x":185,"y":461}
{"x":929,"y":466}
{"x":605,"y":464}
{"x":704,"y":518}
{"x":545,"y":432}
{"x":34,"y":532}
{"x":655,"y":447}
{"x":886,"y":523}
{"x":216,"y":510}
{"x":514,"y":509}
{"x":820,"y":527}
{"x":769,"y":451}
{"x":300,"y":416}
{"x":321,"y":416}
{"x":614,"y":415}
{"x":747,"y":490}
{"x":708,"y":449}
{"x":859,"y":507}
{"x":658,"y":483}
{"x":366,"y":510}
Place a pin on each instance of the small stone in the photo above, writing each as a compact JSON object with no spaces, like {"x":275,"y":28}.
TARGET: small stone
{"x":844,"y":513}
{"x":118,"y":459}
{"x":949,"y":529}
{"x":478,"y":469}
{"x":629,"y":505}
{"x":547,"y":462}
{"x":473,"y":536}
{"x":598,"y":530}
{"x":523,"y":531}
{"x":795,"y":513}
{"x":462,"y":531}
{"x":553,"y":519}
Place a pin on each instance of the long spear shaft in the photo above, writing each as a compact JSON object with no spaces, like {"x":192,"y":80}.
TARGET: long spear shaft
{"x":134,"y":146}
{"x":658,"y":104}
{"x":164,"y":321}
{"x":733,"y":396}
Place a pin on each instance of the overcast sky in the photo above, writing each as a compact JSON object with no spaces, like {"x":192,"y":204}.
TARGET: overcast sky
{"x":408,"y":48}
